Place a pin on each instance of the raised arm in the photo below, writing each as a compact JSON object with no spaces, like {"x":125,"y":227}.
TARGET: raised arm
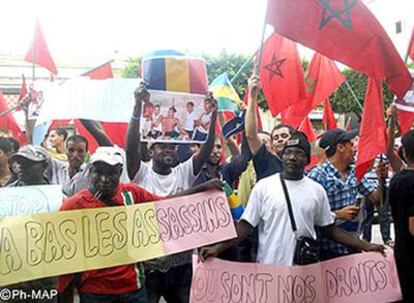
{"x":200,"y":158}
{"x":251,"y":127}
{"x":97,"y":131}
{"x":133,"y":133}
{"x":395,"y":162}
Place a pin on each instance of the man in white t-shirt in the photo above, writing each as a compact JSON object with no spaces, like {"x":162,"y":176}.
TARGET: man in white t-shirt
{"x":267,"y":209}
{"x":169,"y":276}
{"x":190,"y":119}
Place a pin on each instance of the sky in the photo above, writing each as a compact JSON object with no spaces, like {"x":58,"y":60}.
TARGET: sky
{"x":98,"y":29}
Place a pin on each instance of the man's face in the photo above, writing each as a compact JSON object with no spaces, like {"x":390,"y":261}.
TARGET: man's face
{"x":55,"y":139}
{"x":105,"y":178}
{"x":294,"y":160}
{"x":279,"y":138}
{"x":76,"y":153}
{"x":170,"y":112}
{"x":216,"y":153}
{"x":190,"y":107}
{"x":164,"y":153}
{"x":347,"y":152}
{"x":28,"y":170}
{"x":157,"y":110}
{"x":266,"y":141}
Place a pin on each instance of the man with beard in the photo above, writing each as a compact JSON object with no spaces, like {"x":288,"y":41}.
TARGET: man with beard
{"x":337,"y":176}
{"x":265,"y":162}
{"x":169,"y":276}
{"x":267,"y":208}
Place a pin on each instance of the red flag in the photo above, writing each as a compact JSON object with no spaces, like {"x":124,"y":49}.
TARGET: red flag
{"x":322,"y":79}
{"x":23,"y":89}
{"x":281,"y":74}
{"x":103,"y":71}
{"x":410,"y":51}
{"x":372,"y":136}
{"x":405,"y":119}
{"x":307,"y":128}
{"x":345,"y":31}
{"x":39,"y":52}
{"x":328,"y":118}
{"x":7,"y":122}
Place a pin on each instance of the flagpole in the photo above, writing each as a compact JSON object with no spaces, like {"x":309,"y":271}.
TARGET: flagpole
{"x":354,"y":95}
{"x":260,"y":52}
{"x":238,"y":73}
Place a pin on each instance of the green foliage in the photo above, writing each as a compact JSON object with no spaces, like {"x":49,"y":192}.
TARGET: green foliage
{"x":344,"y":102}
{"x":132,"y":67}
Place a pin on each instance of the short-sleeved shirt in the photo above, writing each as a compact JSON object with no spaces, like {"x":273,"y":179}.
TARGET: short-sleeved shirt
{"x":181,"y":178}
{"x":266,"y":164}
{"x":118,"y":279}
{"x":267,"y":208}
{"x":401,"y":199}
{"x":341,"y":193}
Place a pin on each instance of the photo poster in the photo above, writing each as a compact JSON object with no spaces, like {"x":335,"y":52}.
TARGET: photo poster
{"x":35,"y":93}
{"x":407,"y":104}
{"x":171,"y":117}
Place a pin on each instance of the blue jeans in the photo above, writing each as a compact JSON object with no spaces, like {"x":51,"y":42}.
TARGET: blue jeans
{"x":138,"y":296}
{"x":384,"y":221}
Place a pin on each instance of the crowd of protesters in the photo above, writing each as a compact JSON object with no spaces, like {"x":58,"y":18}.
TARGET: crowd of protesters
{"x":327,"y":201}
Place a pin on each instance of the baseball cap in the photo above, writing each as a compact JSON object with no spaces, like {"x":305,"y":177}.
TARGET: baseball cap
{"x":107,"y":154}
{"x":300,"y":140}
{"x":32,"y":152}
{"x":335,"y":136}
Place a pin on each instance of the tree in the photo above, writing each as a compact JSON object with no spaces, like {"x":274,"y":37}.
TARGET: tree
{"x":132,"y":68}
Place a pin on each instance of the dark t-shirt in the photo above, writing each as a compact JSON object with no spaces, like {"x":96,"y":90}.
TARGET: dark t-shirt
{"x":401,"y":199}
{"x":266,"y":163}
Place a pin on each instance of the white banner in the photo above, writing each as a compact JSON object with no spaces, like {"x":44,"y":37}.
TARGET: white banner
{"x":109,"y":100}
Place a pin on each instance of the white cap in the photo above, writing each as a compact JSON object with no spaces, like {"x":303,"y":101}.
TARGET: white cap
{"x":107,"y":154}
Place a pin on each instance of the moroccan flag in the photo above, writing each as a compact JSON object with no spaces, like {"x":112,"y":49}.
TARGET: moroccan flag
{"x":227,"y":98}
{"x":307,"y":128}
{"x":322,"y":79}
{"x":410,"y":51}
{"x":328,"y":118}
{"x":343,"y":30}
{"x":7,"y":122}
{"x":103,"y":71}
{"x":175,"y":71}
{"x":281,"y":74}
{"x":39,"y":52}
{"x":372,"y":136}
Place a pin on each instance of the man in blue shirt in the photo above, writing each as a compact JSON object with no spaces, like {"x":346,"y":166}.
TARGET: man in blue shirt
{"x":337,"y":176}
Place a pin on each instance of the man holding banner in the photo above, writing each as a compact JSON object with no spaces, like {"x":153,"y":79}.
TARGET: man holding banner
{"x":125,"y":283}
{"x":169,"y":276}
{"x":267,"y":208}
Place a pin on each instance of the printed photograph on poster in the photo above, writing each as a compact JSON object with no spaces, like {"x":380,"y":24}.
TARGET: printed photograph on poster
{"x":36,"y":98}
{"x":175,"y":117}
{"x":407,"y":104}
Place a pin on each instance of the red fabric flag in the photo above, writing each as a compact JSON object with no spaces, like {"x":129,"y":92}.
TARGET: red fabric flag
{"x":405,"y":119}
{"x":410,"y":51}
{"x":39,"y":52}
{"x":23,"y":89}
{"x":322,"y":79}
{"x":281,"y":74}
{"x":307,"y":128}
{"x":345,"y":31}
{"x":7,"y":122}
{"x":372,"y":136}
{"x":103,"y":71}
{"x":328,"y":118}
